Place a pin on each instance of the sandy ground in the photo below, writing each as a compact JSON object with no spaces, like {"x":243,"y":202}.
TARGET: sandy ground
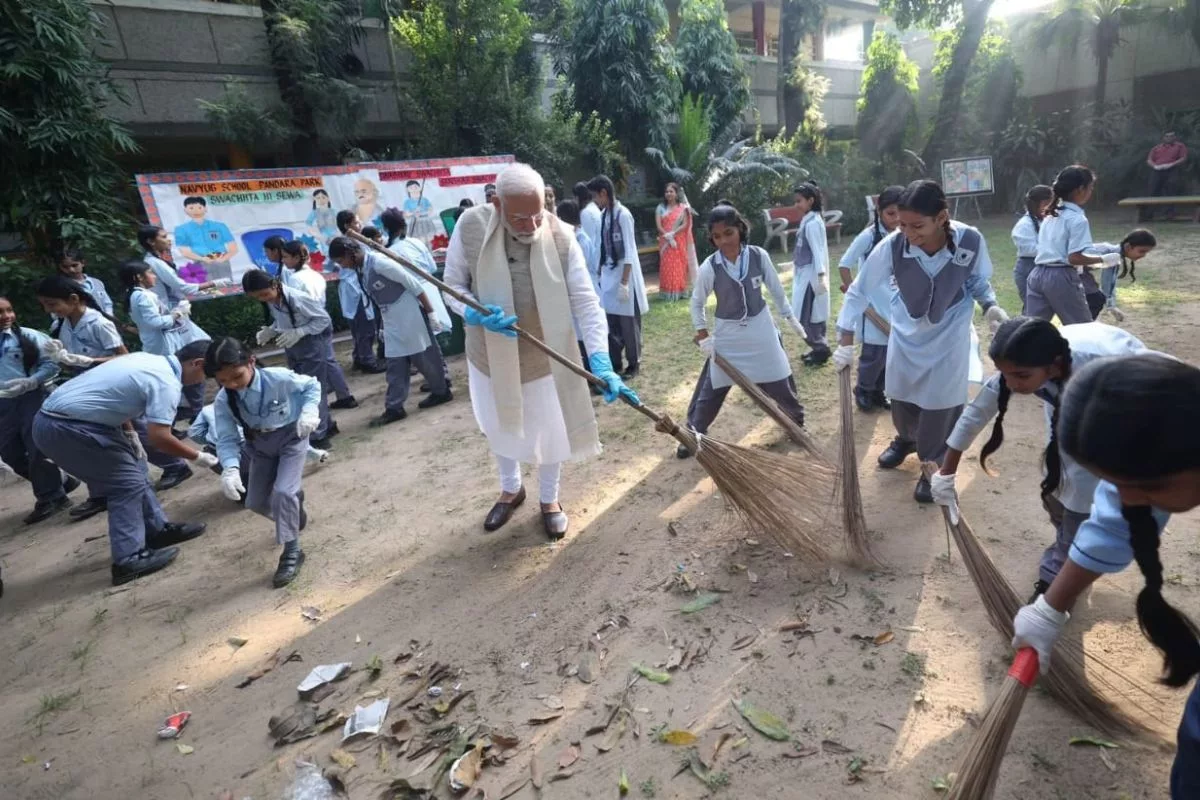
{"x":398,"y":564}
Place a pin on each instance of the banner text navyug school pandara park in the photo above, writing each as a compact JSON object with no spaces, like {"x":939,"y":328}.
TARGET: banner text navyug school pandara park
{"x":219,"y":220}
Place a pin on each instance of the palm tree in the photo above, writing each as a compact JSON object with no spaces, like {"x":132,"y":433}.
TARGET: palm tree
{"x":1099,"y":23}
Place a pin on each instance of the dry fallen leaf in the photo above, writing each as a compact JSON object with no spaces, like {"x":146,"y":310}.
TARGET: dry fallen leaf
{"x":568,"y":757}
{"x":184,"y":749}
{"x":589,"y":666}
{"x":505,"y":739}
{"x":884,"y":637}
{"x":535,"y":772}
{"x":612,"y":735}
{"x":512,"y":788}
{"x":342,"y":758}
{"x":837,"y":748}
{"x":542,"y":719}
{"x":465,"y":771}
{"x":744,"y":642}
{"x":553,"y":703}
{"x":680,"y":738}
{"x":763,"y":721}
{"x":236,"y":641}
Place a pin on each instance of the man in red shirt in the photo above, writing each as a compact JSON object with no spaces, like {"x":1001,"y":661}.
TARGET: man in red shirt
{"x":1165,"y":159}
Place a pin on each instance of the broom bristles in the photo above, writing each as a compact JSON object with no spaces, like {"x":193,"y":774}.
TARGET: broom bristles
{"x":980,"y":766}
{"x":853,"y":518}
{"x":782,"y":497}
{"x":793,"y":429}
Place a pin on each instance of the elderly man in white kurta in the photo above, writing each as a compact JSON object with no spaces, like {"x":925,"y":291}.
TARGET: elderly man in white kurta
{"x":525,"y":266}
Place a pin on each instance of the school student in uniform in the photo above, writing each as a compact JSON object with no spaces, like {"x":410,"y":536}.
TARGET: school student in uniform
{"x":298,"y":275}
{"x":203,"y":431}
{"x":276,"y":410}
{"x":622,"y":289}
{"x":25,"y":367}
{"x":273,"y":250}
{"x":1055,"y":284}
{"x":1132,"y":249}
{"x":410,"y":325}
{"x":1131,"y":421}
{"x":1025,"y":235}
{"x":869,"y":394}
{"x":85,"y":427}
{"x":72,"y":265}
{"x":175,"y":292}
{"x":359,"y":313}
{"x":568,"y":212}
{"x":416,"y":251}
{"x":1034,"y":357}
{"x":744,"y":333}
{"x":810,"y":281}
{"x":936,"y":270}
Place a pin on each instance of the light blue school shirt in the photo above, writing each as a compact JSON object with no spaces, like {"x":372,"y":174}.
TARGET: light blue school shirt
{"x":171,"y":289}
{"x":1025,"y":237}
{"x":203,"y":428}
{"x":96,"y":288}
{"x":203,"y":238}
{"x":1103,"y":541}
{"x":93,"y":335}
{"x":310,"y":316}
{"x":12,"y":360}
{"x":351,"y":297}
{"x":159,"y":331}
{"x":881,"y":298}
{"x":1088,"y":341}
{"x":120,"y":390}
{"x":274,"y":399}
{"x":1063,"y":235}
{"x":928,"y":363}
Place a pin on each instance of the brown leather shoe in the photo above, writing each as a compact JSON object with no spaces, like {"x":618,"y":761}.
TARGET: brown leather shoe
{"x":555,"y":523}
{"x":502,"y":512}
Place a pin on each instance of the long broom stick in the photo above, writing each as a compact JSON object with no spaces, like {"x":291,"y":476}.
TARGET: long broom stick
{"x":976,"y":778}
{"x":853,"y":518}
{"x":1067,"y":682}
{"x":770,"y":408}
{"x":775,"y":495}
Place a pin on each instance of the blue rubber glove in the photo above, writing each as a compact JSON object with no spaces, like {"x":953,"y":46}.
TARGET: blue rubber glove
{"x":601,"y":366}
{"x":495,"y":322}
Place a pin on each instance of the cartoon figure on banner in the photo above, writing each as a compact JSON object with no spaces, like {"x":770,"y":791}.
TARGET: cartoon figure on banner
{"x":322,"y":219}
{"x":366,"y":195}
{"x":418,"y":213}
{"x":204,"y":242}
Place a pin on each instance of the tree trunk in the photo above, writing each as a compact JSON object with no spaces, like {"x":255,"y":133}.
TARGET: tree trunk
{"x":949,"y":108}
{"x":1101,"y":83}
{"x":306,"y":145}
{"x":796,"y":19}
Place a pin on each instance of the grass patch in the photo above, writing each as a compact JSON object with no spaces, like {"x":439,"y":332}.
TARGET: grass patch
{"x":913,"y":665}
{"x":50,"y":704}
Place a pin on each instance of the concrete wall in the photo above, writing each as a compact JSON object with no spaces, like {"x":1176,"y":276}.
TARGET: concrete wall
{"x":845,"y":79}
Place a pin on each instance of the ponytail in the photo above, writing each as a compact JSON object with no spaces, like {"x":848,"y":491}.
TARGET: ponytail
{"x":888,"y":197}
{"x":810,"y":190}
{"x":1166,"y":627}
{"x":1070,"y":180}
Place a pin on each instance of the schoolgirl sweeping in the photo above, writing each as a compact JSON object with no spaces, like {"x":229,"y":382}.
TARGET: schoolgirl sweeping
{"x":936,"y":271}
{"x":1025,"y":236}
{"x":1055,"y":284}
{"x":1131,"y":422}
{"x":1132,"y":249}
{"x":744,"y":333}
{"x":277,"y":410}
{"x":297,"y":274}
{"x":1034,"y":357}
{"x":810,"y":281}
{"x":872,"y":361}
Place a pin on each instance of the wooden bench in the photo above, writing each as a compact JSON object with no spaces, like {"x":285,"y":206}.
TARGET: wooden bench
{"x":1138,"y":203}
{"x":783,"y":221}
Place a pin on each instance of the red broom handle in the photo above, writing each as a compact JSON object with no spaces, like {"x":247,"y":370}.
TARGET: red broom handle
{"x":1025,"y":667}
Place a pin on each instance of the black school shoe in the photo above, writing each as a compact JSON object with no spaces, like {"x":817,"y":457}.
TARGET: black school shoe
{"x":386,"y":418}
{"x":881,"y":401}
{"x":88,"y":509}
{"x":369,"y":370}
{"x":289,"y":567}
{"x":321,"y":444}
{"x":923,"y":493}
{"x":47,"y":509}
{"x":864,"y":399}
{"x":170,"y":480}
{"x":436,"y":400}
{"x":344,"y":403}
{"x":630,"y":373}
{"x":895,"y":453}
{"x":816,"y":358}
{"x":70,"y":484}
{"x":143,"y":563}
{"x":333,"y":431}
{"x":174,"y":533}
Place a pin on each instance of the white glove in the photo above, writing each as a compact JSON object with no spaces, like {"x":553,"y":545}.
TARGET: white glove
{"x":310,"y":419}
{"x":944,"y":494}
{"x":135,"y":442}
{"x":73,"y":359}
{"x":19,"y":386}
{"x":435,"y":324}
{"x":318,"y":455}
{"x":231,"y":483}
{"x":265,"y":335}
{"x":1117,"y":313}
{"x":795,"y":325}
{"x":1111,"y":259}
{"x":1038,"y":626}
{"x":289,"y":338}
{"x":821,"y":286}
{"x":623,"y":293}
{"x":7,"y":474}
{"x":708,"y":346}
{"x":52,"y":348}
{"x":670,"y":237}
{"x":995,"y":316}
{"x":207,"y":460}
{"x":182,"y":309}
{"x":843,"y":357}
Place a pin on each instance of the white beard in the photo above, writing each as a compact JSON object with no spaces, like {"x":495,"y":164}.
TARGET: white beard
{"x":523,"y":238}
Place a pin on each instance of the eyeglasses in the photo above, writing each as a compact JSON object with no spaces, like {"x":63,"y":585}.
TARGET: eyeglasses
{"x":524,"y":219}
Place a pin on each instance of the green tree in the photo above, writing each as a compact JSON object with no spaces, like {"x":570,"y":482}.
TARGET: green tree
{"x":887,"y":104}
{"x":797,"y":19}
{"x":709,"y":63}
{"x":991,"y":89}
{"x":971,"y":18}
{"x":58,"y":143}
{"x":621,"y":65}
{"x":237,"y":118}
{"x":1098,"y":23}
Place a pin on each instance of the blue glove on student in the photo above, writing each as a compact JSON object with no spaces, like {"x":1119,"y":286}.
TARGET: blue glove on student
{"x":496,"y":321}
{"x":601,"y":366}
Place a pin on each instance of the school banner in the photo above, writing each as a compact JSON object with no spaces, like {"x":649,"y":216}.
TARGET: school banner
{"x":218,"y":220}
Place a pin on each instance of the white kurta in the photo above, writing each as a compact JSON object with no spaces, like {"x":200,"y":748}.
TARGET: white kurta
{"x":752,"y":344}
{"x":929,"y":364}
{"x":812,"y":231}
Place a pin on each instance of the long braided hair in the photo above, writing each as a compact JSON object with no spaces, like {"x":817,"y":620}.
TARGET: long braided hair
{"x":1135,"y":238}
{"x":256,"y":280}
{"x":30,"y":352}
{"x":229,"y":352}
{"x":1030,"y":342}
{"x":1133,"y":418}
{"x":130,"y":275}
{"x":887,"y":198}
{"x":1033,"y":203}
{"x":927,"y":199}
{"x":608,"y":218}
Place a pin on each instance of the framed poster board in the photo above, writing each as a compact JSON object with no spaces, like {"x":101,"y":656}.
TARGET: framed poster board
{"x":963,"y":177}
